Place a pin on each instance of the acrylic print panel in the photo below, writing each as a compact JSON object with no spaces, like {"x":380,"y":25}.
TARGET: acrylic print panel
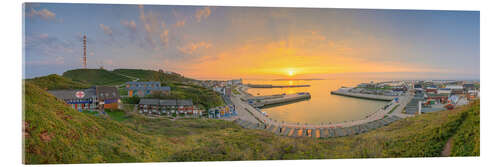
{"x":160,"y":83}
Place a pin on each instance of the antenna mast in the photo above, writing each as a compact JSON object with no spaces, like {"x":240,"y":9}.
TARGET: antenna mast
{"x":84,"y":51}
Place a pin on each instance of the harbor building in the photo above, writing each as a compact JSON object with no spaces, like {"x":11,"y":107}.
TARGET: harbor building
{"x":142,"y":89}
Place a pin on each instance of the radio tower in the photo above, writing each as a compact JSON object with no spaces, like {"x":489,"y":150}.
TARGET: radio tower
{"x":84,"y":51}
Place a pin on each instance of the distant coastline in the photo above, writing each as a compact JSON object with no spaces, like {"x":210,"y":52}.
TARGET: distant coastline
{"x":304,"y":79}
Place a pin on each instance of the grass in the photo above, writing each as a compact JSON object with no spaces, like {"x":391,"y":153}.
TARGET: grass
{"x":205,"y":98}
{"x":466,"y":141}
{"x":96,"y":76}
{"x":54,"y":81}
{"x":55,"y":133}
{"x":117,"y":115}
{"x":150,"y":75}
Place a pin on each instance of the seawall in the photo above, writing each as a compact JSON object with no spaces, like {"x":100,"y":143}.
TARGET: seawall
{"x":363,"y":96}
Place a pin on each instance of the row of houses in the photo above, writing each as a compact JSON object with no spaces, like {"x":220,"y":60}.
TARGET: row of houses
{"x":430,"y":96}
{"x":142,"y":89}
{"x":93,"y":98}
{"x":216,"y":83}
{"x":222,"y":111}
{"x":169,"y":107}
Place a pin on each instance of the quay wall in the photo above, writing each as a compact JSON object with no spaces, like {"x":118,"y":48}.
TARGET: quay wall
{"x":364,"y":96}
{"x":284,"y":99}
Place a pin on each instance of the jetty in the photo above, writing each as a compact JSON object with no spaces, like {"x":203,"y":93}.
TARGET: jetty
{"x":274,"y":86}
{"x":345,"y":92}
{"x":259,"y":102}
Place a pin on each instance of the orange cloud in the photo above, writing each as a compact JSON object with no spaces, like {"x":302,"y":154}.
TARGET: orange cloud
{"x":106,"y":29}
{"x":180,"y":23}
{"x":203,"y":13}
{"x":193,"y":47}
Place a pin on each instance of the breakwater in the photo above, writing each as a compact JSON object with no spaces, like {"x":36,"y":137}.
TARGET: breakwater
{"x":277,"y":99}
{"x":343,"y":92}
{"x":274,"y":86}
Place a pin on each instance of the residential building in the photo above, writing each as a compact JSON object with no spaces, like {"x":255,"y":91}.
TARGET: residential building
{"x":94,"y":98}
{"x":168,"y":107}
{"x":142,"y":89}
{"x":444,"y":90}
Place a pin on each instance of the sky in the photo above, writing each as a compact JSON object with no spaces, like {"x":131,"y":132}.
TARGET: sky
{"x":216,"y":42}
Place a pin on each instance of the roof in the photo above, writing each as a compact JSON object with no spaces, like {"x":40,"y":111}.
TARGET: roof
{"x":468,"y":85}
{"x":143,"y":82}
{"x":438,"y":95}
{"x":164,"y":88}
{"x":71,"y":94}
{"x":168,"y":102}
{"x":107,"y":92}
{"x":150,"y":101}
{"x":185,"y":102}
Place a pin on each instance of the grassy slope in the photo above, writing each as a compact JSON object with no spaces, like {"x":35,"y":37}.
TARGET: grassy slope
{"x":96,"y":76}
{"x":55,"y":133}
{"x":55,"y":81}
{"x":466,"y":141}
{"x":207,"y":98}
{"x":76,"y":137}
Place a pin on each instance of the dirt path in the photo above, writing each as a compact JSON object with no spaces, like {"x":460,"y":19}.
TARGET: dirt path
{"x":447,"y":148}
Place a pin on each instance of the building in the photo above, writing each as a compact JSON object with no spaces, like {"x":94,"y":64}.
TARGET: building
{"x":444,"y":90}
{"x":440,"y":98}
{"x":142,"y":89}
{"x":227,"y":91}
{"x":108,"y":96}
{"x":235,"y":82}
{"x":469,"y":86}
{"x":169,"y":107}
{"x":454,"y":86}
{"x":82,"y":99}
{"x":94,"y":98}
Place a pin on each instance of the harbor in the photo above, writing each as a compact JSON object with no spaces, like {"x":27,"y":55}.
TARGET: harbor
{"x":251,"y":116}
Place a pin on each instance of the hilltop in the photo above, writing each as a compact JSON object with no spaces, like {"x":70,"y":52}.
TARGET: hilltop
{"x":150,"y":75}
{"x":55,"y":81}
{"x":96,"y":76}
{"x":55,"y":133}
{"x":120,"y":76}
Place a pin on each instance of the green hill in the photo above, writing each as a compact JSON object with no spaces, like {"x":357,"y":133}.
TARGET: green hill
{"x":55,"y":81}
{"x":96,"y":76}
{"x":150,"y":75}
{"x":55,"y":133}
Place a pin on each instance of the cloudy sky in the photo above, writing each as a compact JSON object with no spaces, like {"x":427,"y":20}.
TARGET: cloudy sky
{"x":245,"y":42}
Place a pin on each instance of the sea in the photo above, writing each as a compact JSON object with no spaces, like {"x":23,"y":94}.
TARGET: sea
{"x":322,"y":107}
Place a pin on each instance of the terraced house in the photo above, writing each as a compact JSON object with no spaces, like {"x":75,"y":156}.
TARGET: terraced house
{"x":168,"y":107}
{"x":142,"y":89}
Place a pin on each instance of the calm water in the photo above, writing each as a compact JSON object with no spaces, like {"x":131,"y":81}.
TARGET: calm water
{"x":322,"y":107}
